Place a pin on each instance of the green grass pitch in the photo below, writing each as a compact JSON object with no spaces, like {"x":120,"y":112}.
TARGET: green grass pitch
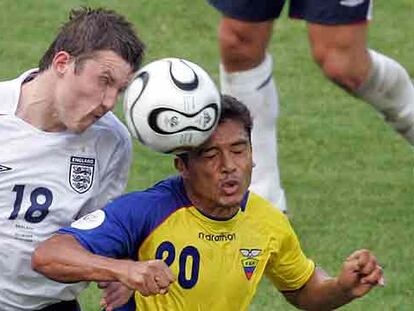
{"x":348,"y":177}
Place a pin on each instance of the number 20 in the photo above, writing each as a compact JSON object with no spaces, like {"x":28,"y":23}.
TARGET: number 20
{"x":188,"y":251}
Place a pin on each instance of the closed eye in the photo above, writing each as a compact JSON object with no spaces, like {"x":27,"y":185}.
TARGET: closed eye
{"x":239,"y":147}
{"x":104,"y":80}
{"x":209,"y":155}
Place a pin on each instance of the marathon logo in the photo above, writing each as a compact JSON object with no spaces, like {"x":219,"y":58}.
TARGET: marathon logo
{"x":222,"y":237}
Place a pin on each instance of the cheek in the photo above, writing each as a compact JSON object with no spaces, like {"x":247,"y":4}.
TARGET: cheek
{"x":85,"y":87}
{"x":206,"y":180}
{"x":246,"y":169}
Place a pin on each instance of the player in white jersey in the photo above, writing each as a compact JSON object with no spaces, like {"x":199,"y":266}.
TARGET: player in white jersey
{"x":63,"y":153}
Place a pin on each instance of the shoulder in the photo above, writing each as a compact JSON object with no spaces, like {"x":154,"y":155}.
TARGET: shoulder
{"x":154,"y":204}
{"x":111,"y":133}
{"x":113,"y":126}
{"x":8,"y":97}
{"x":10,"y":92}
{"x":265,"y":214}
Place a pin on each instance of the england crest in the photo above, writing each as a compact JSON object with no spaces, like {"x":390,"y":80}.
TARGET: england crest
{"x":81,"y":173}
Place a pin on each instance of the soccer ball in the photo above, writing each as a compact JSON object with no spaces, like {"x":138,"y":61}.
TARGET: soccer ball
{"x":171,"y":105}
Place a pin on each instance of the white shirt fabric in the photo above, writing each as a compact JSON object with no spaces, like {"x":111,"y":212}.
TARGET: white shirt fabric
{"x":65,"y":175}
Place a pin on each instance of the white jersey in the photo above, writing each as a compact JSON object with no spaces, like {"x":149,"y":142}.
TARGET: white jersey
{"x":47,"y":180}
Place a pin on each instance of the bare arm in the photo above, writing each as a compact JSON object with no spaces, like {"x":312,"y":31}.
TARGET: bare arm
{"x":63,"y":258}
{"x":360,"y":273}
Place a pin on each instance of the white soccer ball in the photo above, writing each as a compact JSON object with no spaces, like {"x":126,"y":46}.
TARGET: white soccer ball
{"x":171,"y":105}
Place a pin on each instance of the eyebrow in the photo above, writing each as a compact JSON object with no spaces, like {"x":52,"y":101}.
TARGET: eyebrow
{"x":204,"y":150}
{"x":113,"y":80}
{"x":242,"y":141}
{"x":109,"y":74}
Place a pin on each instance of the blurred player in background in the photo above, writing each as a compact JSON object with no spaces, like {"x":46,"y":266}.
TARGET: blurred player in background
{"x":338,"y":37}
{"x":204,"y":225}
{"x":63,"y":153}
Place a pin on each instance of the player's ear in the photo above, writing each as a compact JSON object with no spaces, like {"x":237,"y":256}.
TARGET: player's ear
{"x":61,"y":62}
{"x":180,"y":166}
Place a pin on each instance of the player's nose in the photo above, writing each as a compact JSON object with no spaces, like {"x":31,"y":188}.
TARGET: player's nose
{"x":110,"y":99}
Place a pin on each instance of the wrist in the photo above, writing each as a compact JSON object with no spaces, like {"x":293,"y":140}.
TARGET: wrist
{"x":344,"y":291}
{"x":106,"y":269}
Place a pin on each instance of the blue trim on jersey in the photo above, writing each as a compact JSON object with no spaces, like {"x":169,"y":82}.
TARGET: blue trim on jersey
{"x":243,"y":203}
{"x":242,"y":208}
{"x":131,"y":218}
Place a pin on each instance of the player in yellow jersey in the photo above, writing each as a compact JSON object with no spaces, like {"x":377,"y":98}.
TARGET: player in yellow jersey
{"x":217,"y":238}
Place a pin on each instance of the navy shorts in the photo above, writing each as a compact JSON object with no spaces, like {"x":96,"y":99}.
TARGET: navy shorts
{"x":328,"y":12}
{"x":63,"y":306}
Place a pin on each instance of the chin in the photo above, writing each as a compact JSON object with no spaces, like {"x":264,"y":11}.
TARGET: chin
{"x":231,"y":202}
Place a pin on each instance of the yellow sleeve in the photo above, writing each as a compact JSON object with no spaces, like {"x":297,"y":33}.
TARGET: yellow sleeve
{"x":288,"y":267}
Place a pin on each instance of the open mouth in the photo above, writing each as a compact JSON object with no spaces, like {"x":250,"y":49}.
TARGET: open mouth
{"x":230,"y":187}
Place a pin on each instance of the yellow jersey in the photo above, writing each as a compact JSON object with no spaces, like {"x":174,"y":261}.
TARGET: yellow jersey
{"x":218,"y":263}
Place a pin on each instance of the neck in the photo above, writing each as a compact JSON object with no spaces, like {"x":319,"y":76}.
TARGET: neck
{"x":36,"y":104}
{"x":208,"y":207}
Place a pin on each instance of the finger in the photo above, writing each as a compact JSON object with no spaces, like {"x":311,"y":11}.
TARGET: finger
{"x":357,"y":255}
{"x":114,"y":304}
{"x":374,"y":277}
{"x":352,"y":264}
{"x":144,"y":291}
{"x":103,"y":285}
{"x":168,"y":274}
{"x":368,"y":267}
{"x":366,"y":262}
{"x":163,"y":281}
{"x":152,"y":286}
{"x":118,"y":297}
{"x":109,"y":298}
{"x":381,"y":281}
{"x":363,"y":259}
{"x":102,"y":303}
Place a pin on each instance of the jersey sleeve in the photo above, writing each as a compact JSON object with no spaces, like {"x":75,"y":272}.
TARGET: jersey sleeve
{"x":115,"y":231}
{"x":289,"y":268}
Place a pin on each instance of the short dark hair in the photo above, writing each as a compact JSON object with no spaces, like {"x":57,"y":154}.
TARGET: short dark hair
{"x":91,"y":30}
{"x":231,"y":109}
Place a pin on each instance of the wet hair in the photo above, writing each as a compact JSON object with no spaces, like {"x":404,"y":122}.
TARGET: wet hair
{"x":231,"y":109}
{"x":91,"y":30}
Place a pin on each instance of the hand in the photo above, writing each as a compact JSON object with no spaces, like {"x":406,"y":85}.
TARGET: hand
{"x":150,"y":277}
{"x":115,"y":294}
{"x":360,"y":273}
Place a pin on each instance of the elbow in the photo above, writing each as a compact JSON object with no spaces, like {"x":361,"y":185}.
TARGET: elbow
{"x":39,"y":260}
{"x":45,"y":257}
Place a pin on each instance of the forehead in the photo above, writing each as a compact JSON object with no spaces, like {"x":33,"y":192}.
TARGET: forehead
{"x":227,"y":133}
{"x":110,"y":62}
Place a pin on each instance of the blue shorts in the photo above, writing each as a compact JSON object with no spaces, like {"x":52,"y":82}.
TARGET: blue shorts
{"x":327,"y":12}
